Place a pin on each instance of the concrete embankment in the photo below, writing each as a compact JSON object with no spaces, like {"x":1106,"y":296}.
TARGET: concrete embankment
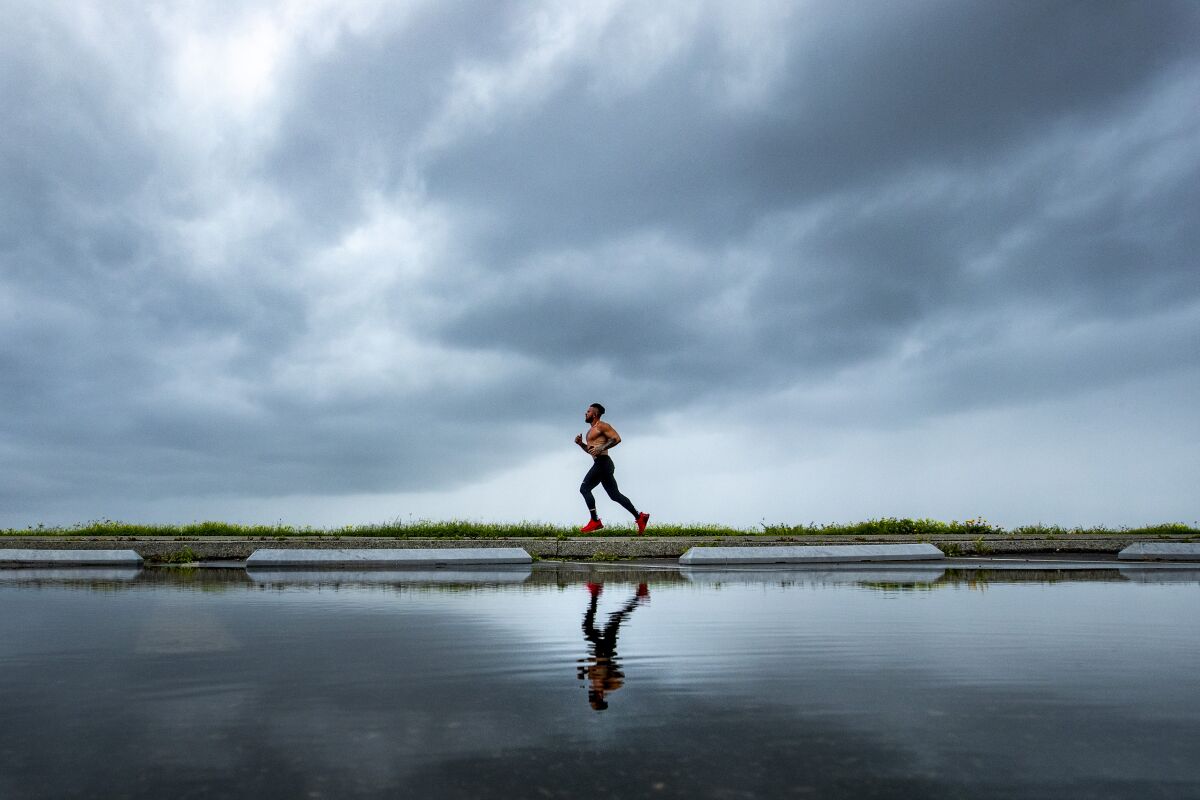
{"x":158,"y":549}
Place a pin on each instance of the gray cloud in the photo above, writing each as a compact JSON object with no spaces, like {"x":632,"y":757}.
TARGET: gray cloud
{"x":435,"y":225}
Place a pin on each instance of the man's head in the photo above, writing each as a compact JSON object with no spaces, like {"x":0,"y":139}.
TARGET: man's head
{"x":593,"y":413}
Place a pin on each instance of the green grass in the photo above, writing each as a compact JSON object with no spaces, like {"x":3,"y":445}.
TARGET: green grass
{"x":1049,"y":531}
{"x":922,"y":529}
{"x":889,"y":526}
{"x":182,"y":556}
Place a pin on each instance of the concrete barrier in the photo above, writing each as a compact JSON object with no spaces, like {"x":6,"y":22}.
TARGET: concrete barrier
{"x":69,"y":558}
{"x":385,"y":558}
{"x":1161,"y":551}
{"x":810,"y":554}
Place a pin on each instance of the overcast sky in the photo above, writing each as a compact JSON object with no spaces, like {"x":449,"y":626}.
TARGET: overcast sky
{"x":336,"y":262}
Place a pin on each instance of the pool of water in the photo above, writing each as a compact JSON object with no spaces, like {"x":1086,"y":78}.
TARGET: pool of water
{"x":568,"y":681}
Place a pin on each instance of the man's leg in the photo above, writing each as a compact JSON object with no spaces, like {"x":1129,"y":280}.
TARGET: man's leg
{"x":610,"y":485}
{"x":590,"y":481}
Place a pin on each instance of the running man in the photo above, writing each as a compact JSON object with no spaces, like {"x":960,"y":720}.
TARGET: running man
{"x":601,"y":438}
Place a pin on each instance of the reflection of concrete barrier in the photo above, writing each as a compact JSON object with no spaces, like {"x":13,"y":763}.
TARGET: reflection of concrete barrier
{"x":81,"y":575}
{"x":487,"y":576}
{"x":1161,"y":551}
{"x":1157,"y":574}
{"x":383,"y":558}
{"x":69,"y":558}
{"x":816,"y":576}
{"x":810,"y":554}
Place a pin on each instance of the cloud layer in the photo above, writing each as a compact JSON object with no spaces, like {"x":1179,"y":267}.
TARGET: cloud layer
{"x":322,"y":250}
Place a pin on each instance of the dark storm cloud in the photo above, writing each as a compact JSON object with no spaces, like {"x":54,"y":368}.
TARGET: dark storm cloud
{"x":982,"y":196}
{"x":888,"y":98}
{"x":867,"y":92}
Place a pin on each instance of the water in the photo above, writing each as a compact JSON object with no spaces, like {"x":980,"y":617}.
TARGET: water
{"x":896,"y":684}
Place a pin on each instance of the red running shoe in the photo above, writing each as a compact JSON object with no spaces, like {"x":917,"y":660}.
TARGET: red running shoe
{"x":593,"y":525}
{"x":642,"y":521}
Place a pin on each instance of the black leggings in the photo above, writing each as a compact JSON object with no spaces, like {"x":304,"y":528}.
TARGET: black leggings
{"x":601,"y":474}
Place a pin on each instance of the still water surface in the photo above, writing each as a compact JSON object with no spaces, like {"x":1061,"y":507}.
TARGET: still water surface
{"x":601,"y":683}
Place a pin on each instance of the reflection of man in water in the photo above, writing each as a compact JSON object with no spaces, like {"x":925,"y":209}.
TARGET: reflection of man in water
{"x":601,"y":664}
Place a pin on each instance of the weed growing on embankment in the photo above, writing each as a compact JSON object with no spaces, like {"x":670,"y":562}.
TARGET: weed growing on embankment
{"x":466,"y":529}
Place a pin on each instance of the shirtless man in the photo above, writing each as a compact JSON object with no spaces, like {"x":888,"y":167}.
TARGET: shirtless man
{"x":601,"y":438}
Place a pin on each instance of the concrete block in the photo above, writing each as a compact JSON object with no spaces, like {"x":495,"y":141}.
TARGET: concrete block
{"x":1161,"y":551}
{"x":69,"y":558}
{"x":810,"y":554}
{"x":382,"y":558}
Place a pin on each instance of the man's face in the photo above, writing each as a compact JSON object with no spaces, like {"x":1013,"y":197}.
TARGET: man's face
{"x":589,"y":416}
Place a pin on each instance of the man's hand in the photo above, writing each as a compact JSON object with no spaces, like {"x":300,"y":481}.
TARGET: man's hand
{"x":596,"y":449}
{"x":579,"y":439}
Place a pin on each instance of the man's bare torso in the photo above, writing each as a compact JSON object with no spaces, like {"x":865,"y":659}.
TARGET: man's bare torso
{"x":597,"y":436}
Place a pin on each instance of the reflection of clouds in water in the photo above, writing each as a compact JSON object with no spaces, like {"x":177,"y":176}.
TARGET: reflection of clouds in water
{"x":354,"y":702}
{"x":713,"y":750}
{"x":195,"y":724}
{"x":183,"y":630}
{"x":472,"y":693}
{"x":322,"y":736}
{"x":950,"y":637}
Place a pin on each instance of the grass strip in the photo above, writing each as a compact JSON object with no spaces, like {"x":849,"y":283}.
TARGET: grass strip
{"x":467,"y":529}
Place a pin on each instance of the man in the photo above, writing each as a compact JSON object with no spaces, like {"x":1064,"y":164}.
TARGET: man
{"x":601,"y":438}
